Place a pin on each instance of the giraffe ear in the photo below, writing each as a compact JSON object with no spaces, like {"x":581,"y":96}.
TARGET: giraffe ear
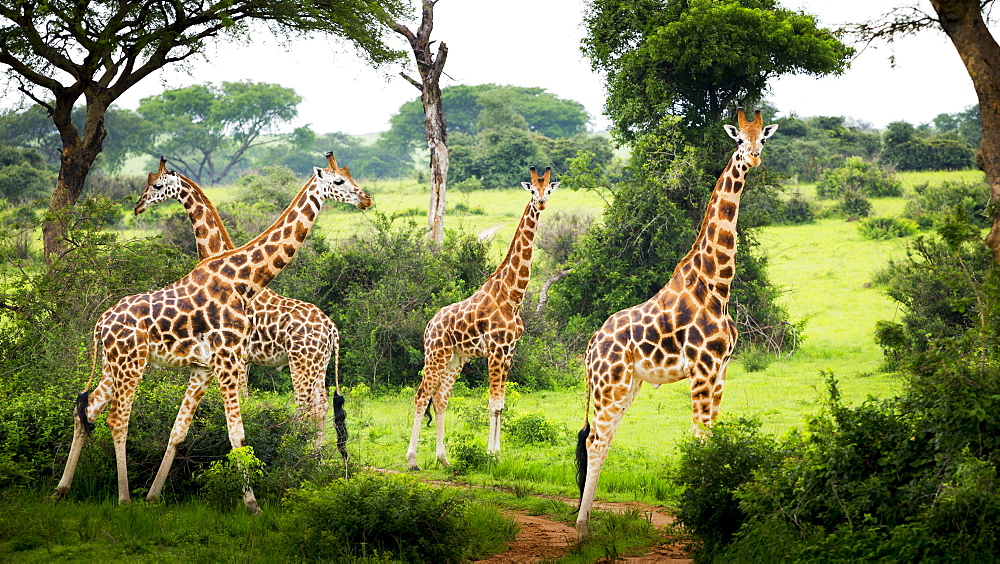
{"x":768,"y":131}
{"x":318,"y":172}
{"x":553,"y":186}
{"x":526,"y":186}
{"x":732,"y":131}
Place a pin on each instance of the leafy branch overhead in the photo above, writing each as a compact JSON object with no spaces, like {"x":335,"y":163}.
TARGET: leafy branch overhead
{"x":62,"y":52}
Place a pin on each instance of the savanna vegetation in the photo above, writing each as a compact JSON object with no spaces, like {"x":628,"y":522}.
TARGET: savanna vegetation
{"x":859,"y":420}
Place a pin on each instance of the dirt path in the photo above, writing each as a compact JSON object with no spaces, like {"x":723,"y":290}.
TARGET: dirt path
{"x":541,"y":539}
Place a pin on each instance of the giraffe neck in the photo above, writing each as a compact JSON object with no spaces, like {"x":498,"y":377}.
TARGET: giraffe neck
{"x":712,"y":258}
{"x":510,"y":281}
{"x":251,"y":267}
{"x":210,"y":233}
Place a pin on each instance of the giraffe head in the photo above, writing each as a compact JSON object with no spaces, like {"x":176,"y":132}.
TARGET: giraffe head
{"x":750,"y":136}
{"x":335,"y":183}
{"x":540,"y":187}
{"x":160,"y":185}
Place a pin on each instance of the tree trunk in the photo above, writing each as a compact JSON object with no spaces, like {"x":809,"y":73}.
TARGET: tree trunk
{"x":430,"y":68}
{"x":75,"y":162}
{"x":963,"y":21}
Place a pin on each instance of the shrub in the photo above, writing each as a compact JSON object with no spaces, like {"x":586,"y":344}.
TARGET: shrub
{"x":467,"y":453}
{"x":857,"y":175}
{"x":375,"y":516}
{"x":854,"y":205}
{"x":796,"y":210}
{"x":756,"y":359}
{"x":712,"y":469}
{"x":558,"y":235}
{"x":879,"y":228}
{"x":930,"y":205}
{"x":224,"y":481}
{"x":381,"y":288}
{"x":532,"y":428}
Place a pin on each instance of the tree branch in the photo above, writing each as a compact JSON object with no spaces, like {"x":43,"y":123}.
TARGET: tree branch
{"x":409,"y":79}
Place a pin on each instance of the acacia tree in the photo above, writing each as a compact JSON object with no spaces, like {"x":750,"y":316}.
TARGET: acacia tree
{"x":61,"y":52}
{"x":207,"y":129}
{"x":699,"y":58}
{"x":963,"y":22}
{"x":430,"y":67}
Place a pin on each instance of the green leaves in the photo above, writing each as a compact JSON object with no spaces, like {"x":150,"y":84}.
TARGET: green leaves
{"x":701,"y":57}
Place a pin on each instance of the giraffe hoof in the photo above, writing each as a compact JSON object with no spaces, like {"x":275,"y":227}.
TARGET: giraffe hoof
{"x":413,"y":468}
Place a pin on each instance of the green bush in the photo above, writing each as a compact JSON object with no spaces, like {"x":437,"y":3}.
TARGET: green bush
{"x":796,"y":210}
{"x":854,"y":205}
{"x":467,"y":453}
{"x":224,"y":481}
{"x":858,"y":175}
{"x":930,"y":205}
{"x":711,"y":470}
{"x":880,"y":228}
{"x":381,"y":288}
{"x":376,"y":516}
{"x":532,"y":428}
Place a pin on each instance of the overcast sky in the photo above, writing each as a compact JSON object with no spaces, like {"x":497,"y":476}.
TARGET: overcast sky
{"x":537,"y":43}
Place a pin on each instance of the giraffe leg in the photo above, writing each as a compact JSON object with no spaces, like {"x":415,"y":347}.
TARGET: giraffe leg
{"x":197,"y":384}
{"x":717,"y":392}
{"x":440,"y":399}
{"x":703,"y":388}
{"x":435,"y":365}
{"x":229,"y":381}
{"x":309,"y":386}
{"x":499,"y":366}
{"x":85,"y":412}
{"x":608,"y":414}
{"x":118,"y":418}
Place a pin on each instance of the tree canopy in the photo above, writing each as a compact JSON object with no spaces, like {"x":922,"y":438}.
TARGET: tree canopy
{"x":61,"y":52}
{"x":206,"y":129}
{"x":699,"y":58}
{"x":545,"y":113}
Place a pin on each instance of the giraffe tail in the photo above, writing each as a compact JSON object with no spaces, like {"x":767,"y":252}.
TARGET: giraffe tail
{"x":581,"y":449}
{"x":339,"y":413}
{"x":82,"y":401}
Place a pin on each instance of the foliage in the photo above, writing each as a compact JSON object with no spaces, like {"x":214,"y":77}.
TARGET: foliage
{"x":967,"y":125}
{"x":900,"y":479}
{"x":381,"y":287}
{"x":47,"y":316}
{"x":128,"y":133}
{"x":939,"y":287}
{"x":796,"y":210}
{"x":23,"y":175}
{"x":201,"y":124}
{"x":531,"y":428}
{"x":467,"y":453}
{"x":699,"y":58}
{"x":930,"y":205}
{"x":853,"y":205}
{"x":808,"y":146}
{"x":905,"y":149}
{"x":886,"y":227}
{"x":558,"y":235}
{"x":544,"y":113}
{"x":712,"y":469}
{"x":857,"y":175}
{"x":224,"y":481}
{"x":376,"y":516}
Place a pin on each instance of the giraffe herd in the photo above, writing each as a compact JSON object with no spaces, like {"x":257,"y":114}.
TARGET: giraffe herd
{"x":221,"y":316}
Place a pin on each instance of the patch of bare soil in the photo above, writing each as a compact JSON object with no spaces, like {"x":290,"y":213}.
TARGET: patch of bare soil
{"x":541,"y":539}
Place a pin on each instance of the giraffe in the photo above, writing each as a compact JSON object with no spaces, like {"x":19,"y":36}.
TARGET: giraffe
{"x":486,"y":324}
{"x":199,"y":321}
{"x":684,"y":331}
{"x":286,"y":331}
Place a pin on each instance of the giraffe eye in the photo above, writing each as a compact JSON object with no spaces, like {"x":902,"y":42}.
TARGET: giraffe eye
{"x":339,"y":181}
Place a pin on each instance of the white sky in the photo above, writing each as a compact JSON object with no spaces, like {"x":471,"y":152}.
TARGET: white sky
{"x":537,"y":43}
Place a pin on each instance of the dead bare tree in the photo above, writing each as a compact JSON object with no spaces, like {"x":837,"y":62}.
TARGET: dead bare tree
{"x":430,"y":67}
